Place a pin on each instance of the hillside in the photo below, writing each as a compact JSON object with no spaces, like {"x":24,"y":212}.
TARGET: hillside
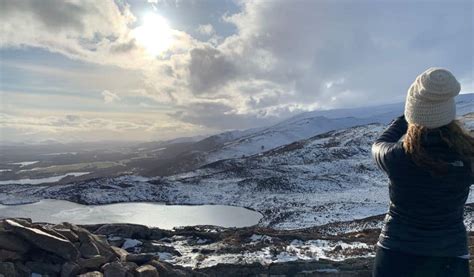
{"x":327,"y":178}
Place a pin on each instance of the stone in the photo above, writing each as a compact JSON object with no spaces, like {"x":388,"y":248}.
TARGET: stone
{"x":88,"y":249}
{"x":85,"y":236}
{"x":156,"y":234}
{"x":139,"y":258}
{"x":114,"y":269}
{"x":7,"y":255}
{"x":39,"y":255}
{"x":11,"y":242}
{"x":101,"y":238}
{"x":70,"y":269}
{"x":150,"y":247}
{"x":91,"y":274}
{"x":43,"y":240}
{"x":22,"y":270}
{"x":121,"y":253}
{"x":92,"y":263}
{"x":51,"y":231}
{"x":124,"y":230}
{"x":44,"y":268}
{"x":24,"y":221}
{"x":7,"y":269}
{"x":116,"y":241}
{"x":167,"y":270}
{"x":130,"y":266}
{"x":146,"y":271}
{"x":67,"y":233}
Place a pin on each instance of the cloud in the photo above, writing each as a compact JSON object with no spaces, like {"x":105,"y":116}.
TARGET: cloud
{"x":74,"y":127}
{"x":110,"y":97}
{"x":304,"y":46}
{"x":283,"y":58}
{"x":206,"y":29}
{"x":209,"y":69}
{"x":220,"y":116}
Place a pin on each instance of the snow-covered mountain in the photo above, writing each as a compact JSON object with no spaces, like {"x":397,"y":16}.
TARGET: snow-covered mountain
{"x":309,"y":124}
{"x":327,"y":178}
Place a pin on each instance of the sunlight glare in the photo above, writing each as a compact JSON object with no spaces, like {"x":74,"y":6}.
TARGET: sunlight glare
{"x":155,"y":35}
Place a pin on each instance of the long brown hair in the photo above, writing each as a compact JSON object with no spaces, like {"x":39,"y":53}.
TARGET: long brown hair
{"x":454,"y":135}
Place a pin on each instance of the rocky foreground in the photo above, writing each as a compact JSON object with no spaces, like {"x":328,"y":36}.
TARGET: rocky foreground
{"x":41,"y":249}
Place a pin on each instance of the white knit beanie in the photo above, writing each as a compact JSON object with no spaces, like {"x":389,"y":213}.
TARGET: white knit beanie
{"x":430,"y":99}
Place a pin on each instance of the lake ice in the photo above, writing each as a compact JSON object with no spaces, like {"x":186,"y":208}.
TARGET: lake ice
{"x":150,"y":214}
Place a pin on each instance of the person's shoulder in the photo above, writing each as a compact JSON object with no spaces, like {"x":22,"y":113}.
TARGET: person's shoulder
{"x":395,"y":153}
{"x":387,"y":155}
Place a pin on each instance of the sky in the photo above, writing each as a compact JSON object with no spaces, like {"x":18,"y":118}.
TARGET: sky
{"x":73,"y":70}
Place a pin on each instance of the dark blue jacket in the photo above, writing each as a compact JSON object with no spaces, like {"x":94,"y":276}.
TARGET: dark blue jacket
{"x":426,"y":212}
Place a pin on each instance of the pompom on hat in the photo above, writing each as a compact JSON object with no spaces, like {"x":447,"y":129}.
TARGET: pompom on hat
{"x":430,"y":100}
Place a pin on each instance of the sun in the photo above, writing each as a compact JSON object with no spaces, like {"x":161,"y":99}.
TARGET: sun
{"x":155,"y":35}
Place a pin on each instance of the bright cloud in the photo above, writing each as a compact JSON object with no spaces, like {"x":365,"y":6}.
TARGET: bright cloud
{"x":206,"y":29}
{"x":110,"y":97}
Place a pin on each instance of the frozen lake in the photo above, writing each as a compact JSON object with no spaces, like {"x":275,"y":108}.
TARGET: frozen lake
{"x":150,"y":214}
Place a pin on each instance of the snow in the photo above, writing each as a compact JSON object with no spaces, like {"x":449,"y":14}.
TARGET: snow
{"x":60,"y":153}
{"x":42,"y":180}
{"x":311,"y":250}
{"x":131,"y":243}
{"x":259,"y":238}
{"x":324,"y":270}
{"x":22,"y":164}
{"x":323,"y":179}
{"x":308,"y":124}
{"x":165,"y":256}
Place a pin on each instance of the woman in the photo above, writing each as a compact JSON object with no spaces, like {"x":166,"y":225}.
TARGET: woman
{"x":430,"y":177}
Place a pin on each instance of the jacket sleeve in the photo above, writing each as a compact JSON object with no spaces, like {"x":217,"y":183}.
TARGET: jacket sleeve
{"x":472,"y":171}
{"x":383,"y":146}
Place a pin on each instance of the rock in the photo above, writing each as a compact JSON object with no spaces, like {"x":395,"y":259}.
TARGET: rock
{"x":22,"y":270}
{"x":92,"y":263}
{"x":24,"y":221}
{"x":43,"y":240}
{"x":85,"y":236}
{"x":70,"y":269}
{"x":150,"y":247}
{"x":101,"y":238}
{"x":121,"y":253}
{"x":139,"y":258}
{"x":156,"y":234}
{"x":116,"y":241}
{"x":11,"y":242}
{"x":70,"y":235}
{"x":7,"y":269}
{"x":39,"y":255}
{"x":44,"y":268}
{"x":91,"y":274}
{"x":133,"y":231}
{"x":51,"y":231}
{"x":114,"y":269}
{"x":146,"y":271}
{"x":167,"y":270}
{"x":130,"y":266}
{"x":88,"y":249}
{"x":7,"y":255}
